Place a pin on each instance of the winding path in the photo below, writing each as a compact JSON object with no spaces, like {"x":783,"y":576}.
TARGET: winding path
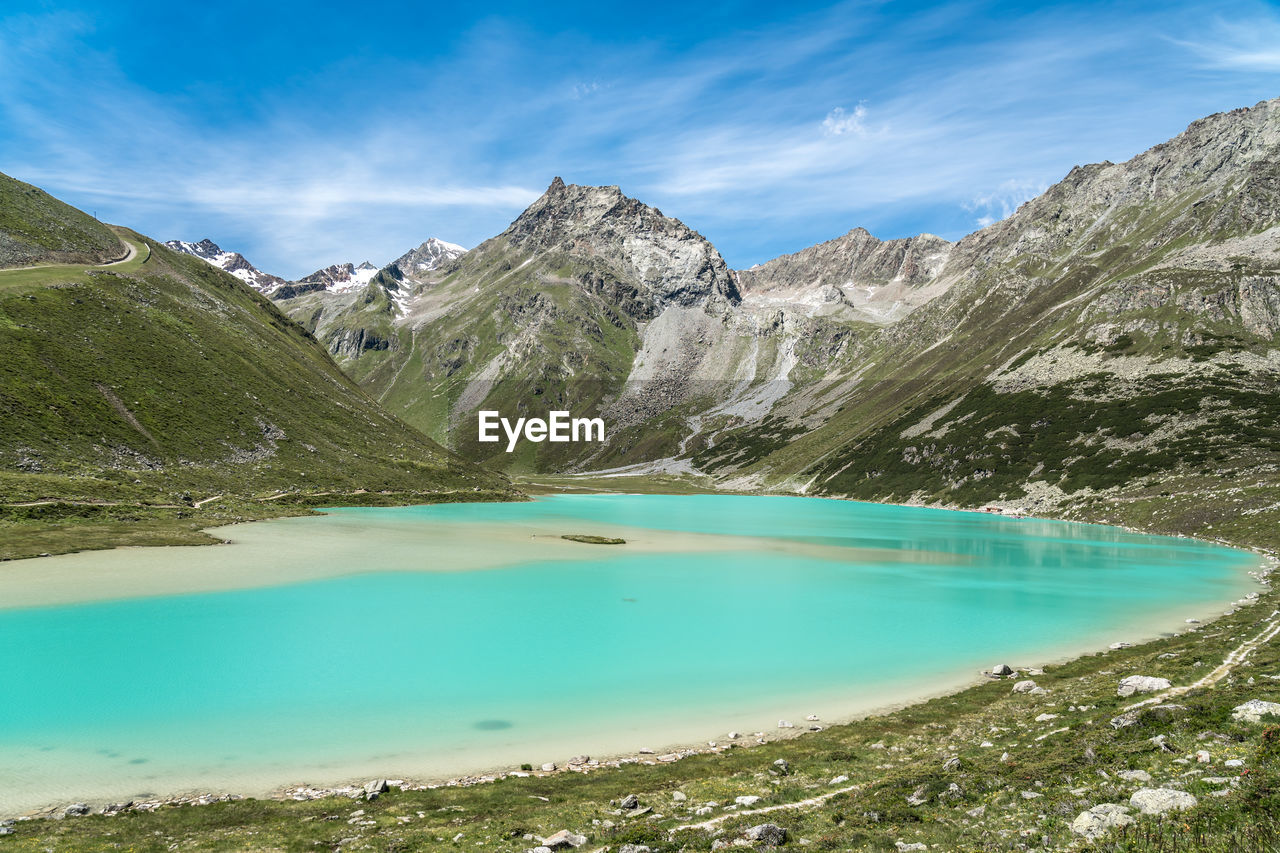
{"x":129,"y":256}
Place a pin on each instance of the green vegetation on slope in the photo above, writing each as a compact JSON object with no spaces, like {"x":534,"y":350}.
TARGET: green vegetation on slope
{"x":36,"y":228}
{"x":130,"y":394}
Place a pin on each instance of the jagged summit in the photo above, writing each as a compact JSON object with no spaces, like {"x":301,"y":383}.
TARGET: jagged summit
{"x":432,"y":254}
{"x":232,"y":262}
{"x":672,"y":262}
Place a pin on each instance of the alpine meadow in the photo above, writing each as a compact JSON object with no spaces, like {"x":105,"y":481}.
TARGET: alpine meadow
{"x":587,"y":532}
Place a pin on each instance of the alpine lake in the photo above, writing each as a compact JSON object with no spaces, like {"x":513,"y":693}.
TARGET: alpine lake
{"x":432,"y":641}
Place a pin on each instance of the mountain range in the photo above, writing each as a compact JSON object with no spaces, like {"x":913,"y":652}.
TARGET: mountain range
{"x":1115,"y":331}
{"x":1113,"y":340}
{"x":142,"y":375}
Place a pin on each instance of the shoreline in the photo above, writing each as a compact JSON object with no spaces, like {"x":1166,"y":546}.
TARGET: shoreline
{"x":684,"y":748}
{"x":680,"y":748}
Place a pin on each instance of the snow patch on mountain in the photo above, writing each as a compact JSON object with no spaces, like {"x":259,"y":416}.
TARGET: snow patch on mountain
{"x":232,"y":262}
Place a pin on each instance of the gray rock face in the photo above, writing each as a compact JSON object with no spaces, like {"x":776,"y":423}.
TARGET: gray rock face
{"x":1141,"y":684}
{"x":767,"y":833}
{"x":856,"y":258}
{"x":1254,"y":710}
{"x":672,"y":263}
{"x":1100,"y":820}
{"x":1161,"y":800}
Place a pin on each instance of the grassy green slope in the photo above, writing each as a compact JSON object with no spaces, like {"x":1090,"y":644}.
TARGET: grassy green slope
{"x":36,"y":228}
{"x":556,"y":345}
{"x":129,"y":393}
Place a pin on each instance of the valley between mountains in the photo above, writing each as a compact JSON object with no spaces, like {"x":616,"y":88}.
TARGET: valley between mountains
{"x":1108,"y":351}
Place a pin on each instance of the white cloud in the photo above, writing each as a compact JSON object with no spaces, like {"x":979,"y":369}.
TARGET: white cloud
{"x":1001,"y":202}
{"x":839,"y":122}
{"x":1240,"y":46}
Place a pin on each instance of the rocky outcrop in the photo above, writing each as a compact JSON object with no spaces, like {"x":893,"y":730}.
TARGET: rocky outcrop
{"x":1141,"y":684}
{"x":1255,"y":710}
{"x":1160,"y":800}
{"x":856,"y":259}
{"x":625,"y":241}
{"x":1100,"y":820}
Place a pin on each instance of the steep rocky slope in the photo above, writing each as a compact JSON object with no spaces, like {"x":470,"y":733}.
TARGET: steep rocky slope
{"x":575,"y":306}
{"x":1117,"y":331}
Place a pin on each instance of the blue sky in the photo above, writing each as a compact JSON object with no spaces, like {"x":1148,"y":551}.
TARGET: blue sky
{"x":304,"y":134}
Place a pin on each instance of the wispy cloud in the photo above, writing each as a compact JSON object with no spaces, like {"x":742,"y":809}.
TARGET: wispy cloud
{"x":1237,"y":46}
{"x":766,"y":136}
{"x":839,"y":122}
{"x":1001,"y":202}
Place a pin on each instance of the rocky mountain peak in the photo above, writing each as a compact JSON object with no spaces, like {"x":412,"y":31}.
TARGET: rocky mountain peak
{"x":1217,"y":176}
{"x":432,"y":254}
{"x":673,"y":263}
{"x":232,"y":262}
{"x":855,"y":259}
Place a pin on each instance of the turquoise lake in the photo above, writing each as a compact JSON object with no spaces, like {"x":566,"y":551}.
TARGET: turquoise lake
{"x":423,"y":642}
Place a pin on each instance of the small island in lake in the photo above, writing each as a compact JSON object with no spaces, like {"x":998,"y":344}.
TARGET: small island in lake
{"x":593,"y":540}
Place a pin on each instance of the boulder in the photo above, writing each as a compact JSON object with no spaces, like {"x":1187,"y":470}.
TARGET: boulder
{"x":781,"y":766}
{"x":1024,"y":686}
{"x":1254,"y":710}
{"x":908,"y":846}
{"x":630,"y":801}
{"x":1128,"y":718}
{"x":678,"y":796}
{"x":76,"y":810}
{"x":1134,"y":775}
{"x":1002,"y":669}
{"x":747,"y":800}
{"x":549,"y":766}
{"x":1141,"y":684}
{"x":633,"y":848}
{"x":377,"y":786}
{"x":767,"y":833}
{"x":1100,"y":820}
{"x":1161,"y":800}
{"x":564,"y":840}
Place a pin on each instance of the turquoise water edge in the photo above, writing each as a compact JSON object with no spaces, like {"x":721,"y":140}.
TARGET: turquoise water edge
{"x":420,"y":642}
